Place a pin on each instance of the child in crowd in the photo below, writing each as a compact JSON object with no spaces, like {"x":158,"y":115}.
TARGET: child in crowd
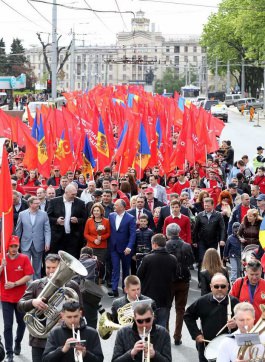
{"x":233,"y":252}
{"x":143,"y":239}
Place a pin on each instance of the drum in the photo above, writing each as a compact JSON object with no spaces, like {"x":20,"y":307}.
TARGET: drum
{"x":211,"y":350}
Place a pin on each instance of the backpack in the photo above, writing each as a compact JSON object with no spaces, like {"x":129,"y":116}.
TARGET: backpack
{"x":182,"y":272}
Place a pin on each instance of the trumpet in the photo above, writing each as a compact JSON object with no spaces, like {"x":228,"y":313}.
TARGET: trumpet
{"x":77,"y":354}
{"x":146,"y":350}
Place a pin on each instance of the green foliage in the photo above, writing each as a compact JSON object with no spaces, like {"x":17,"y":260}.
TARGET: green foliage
{"x":170,"y":82}
{"x":3,"y":60}
{"x":234,"y":33}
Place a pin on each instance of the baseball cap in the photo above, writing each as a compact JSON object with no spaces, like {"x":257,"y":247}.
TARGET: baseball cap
{"x":261,"y":197}
{"x":149,"y":190}
{"x":14,"y":240}
{"x":180,"y":173}
{"x":232,"y":185}
{"x":260,"y":148}
{"x":114,"y":182}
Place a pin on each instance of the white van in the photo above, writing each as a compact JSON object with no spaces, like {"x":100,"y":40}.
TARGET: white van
{"x":231,"y":99}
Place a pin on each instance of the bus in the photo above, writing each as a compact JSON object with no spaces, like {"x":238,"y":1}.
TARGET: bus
{"x":190,"y":92}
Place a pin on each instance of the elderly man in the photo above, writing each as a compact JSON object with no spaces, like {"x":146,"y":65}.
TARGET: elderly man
{"x":251,"y":288}
{"x":130,"y":342}
{"x":67,"y":215}
{"x":33,"y":229}
{"x":180,"y":288}
{"x":50,"y":193}
{"x":121,"y":243}
{"x":228,"y":349}
{"x":87,"y":194}
{"x":215,"y":310}
{"x":261,"y":204}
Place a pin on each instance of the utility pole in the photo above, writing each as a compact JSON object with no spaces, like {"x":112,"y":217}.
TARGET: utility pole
{"x":228,"y":85}
{"x":216,"y":76}
{"x":206,"y":76}
{"x":264,"y":89}
{"x":72,"y":64}
{"x":243,"y":77}
{"x":54,"y":50}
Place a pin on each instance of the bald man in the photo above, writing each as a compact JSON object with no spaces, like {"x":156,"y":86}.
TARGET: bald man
{"x":67,"y":215}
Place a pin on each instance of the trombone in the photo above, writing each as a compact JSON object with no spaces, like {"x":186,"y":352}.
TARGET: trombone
{"x":146,"y":350}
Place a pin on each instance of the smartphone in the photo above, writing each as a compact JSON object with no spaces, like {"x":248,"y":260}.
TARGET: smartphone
{"x":74,"y":343}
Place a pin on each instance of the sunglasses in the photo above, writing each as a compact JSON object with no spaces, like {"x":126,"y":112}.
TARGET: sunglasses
{"x":219,"y":286}
{"x":146,"y":320}
{"x":144,"y":188}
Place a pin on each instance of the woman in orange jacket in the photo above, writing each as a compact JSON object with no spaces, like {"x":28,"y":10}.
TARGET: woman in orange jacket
{"x":97,"y":232}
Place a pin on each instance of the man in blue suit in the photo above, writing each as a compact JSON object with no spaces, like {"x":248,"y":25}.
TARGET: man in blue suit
{"x":121,"y":243}
{"x":140,"y":210}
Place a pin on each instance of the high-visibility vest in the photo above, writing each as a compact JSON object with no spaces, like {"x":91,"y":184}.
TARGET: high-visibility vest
{"x":256,"y":163}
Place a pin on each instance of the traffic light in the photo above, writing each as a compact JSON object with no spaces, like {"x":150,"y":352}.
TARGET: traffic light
{"x":49,"y":86}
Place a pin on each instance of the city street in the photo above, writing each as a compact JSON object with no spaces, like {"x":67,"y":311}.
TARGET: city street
{"x":245,"y":138}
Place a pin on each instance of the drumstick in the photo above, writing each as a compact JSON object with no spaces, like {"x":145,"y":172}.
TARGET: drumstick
{"x":206,"y":340}
{"x":221,"y":330}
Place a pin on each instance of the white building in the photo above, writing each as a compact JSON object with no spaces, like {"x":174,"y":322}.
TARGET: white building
{"x":135,"y":53}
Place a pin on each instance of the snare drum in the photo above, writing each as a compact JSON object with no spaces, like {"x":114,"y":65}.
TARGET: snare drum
{"x":211,"y":350}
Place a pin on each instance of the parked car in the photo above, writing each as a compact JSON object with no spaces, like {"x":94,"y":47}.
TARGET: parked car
{"x":207,"y":104}
{"x":248,"y":103}
{"x":198,"y":100}
{"x":231,"y":99}
{"x":220,"y":110}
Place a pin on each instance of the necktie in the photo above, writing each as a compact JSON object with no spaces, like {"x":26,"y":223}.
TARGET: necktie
{"x":139,"y":214}
{"x":150,"y":204}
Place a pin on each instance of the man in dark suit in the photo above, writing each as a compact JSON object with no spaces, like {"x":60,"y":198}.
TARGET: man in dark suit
{"x":121,"y":243}
{"x":19,"y":204}
{"x":140,"y":210}
{"x":166,"y":211}
{"x":41,"y":195}
{"x":63,"y":183}
{"x":67,"y":215}
{"x":151,"y":202}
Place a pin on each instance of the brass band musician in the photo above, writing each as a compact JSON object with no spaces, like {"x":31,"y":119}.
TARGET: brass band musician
{"x":144,"y":340}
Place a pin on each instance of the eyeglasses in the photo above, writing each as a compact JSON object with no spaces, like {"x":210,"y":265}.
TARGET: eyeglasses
{"x":219,"y":286}
{"x":144,"y":188}
{"x":145,"y":320}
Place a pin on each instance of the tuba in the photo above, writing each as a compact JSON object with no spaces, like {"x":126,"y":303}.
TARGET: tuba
{"x":259,"y":328}
{"x":39,"y":322}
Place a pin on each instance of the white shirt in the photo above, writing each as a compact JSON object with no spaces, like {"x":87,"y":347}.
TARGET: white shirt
{"x":118,"y":220}
{"x":32,"y":216}
{"x":86,"y":196}
{"x":68,"y":210}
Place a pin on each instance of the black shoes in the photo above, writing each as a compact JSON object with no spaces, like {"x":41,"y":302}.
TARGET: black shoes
{"x":9,"y":358}
{"x":17,"y":349}
{"x":113,"y":294}
{"x":177,"y":342}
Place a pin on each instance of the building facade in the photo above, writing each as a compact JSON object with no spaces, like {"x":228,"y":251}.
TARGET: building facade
{"x":137,"y":53}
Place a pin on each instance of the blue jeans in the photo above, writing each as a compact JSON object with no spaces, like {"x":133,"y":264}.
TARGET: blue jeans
{"x":235,"y":268}
{"x":8,"y":316}
{"x":162,"y":316}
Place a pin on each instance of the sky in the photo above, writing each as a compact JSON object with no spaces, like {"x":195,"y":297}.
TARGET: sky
{"x":24,"y":18}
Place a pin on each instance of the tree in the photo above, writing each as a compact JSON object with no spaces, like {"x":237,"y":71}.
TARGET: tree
{"x":3,"y":59}
{"x":59,"y":50}
{"x":17,"y":62}
{"x":236,"y":33}
{"x":171,"y":82}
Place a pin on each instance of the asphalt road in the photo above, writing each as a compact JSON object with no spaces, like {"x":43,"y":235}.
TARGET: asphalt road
{"x":245,"y":139}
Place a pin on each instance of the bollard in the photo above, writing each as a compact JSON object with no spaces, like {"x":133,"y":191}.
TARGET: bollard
{"x":257,"y":125}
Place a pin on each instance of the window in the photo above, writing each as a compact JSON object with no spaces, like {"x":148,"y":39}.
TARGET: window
{"x":186,"y":59}
{"x":78,"y":68}
{"x":176,"y":49}
{"x":78,"y":85}
{"x":186,"y":49}
{"x":78,"y":58}
{"x":167,"y":49}
{"x":176,"y":60}
{"x":155,"y":49}
{"x":134,"y":77}
{"x":167,"y":58}
{"x":195,"y":49}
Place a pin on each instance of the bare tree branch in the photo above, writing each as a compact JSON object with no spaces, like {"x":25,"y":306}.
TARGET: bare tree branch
{"x":67,"y":55}
{"x":44,"y":50}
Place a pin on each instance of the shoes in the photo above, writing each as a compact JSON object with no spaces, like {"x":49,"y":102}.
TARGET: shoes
{"x":177,"y":342}
{"x":9,"y":358}
{"x":113,"y":294}
{"x":17,"y":349}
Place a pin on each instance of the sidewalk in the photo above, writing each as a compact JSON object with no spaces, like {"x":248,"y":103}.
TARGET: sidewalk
{"x":259,"y":117}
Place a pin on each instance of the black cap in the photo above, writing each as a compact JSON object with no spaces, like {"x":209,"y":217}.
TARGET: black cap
{"x":232,"y":185}
{"x":260,"y":148}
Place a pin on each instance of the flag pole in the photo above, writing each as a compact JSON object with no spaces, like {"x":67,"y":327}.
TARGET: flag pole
{"x":4,"y":244}
{"x":119,"y":170}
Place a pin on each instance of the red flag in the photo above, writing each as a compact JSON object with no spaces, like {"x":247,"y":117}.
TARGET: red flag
{"x":6,"y":203}
{"x":178,"y":155}
{"x":30,"y":118}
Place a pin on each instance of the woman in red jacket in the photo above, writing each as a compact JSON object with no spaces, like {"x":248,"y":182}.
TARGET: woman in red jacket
{"x":97,"y":232}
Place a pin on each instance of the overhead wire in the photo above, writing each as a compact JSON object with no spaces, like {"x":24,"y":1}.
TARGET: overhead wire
{"x":96,"y":15}
{"x":48,"y":21}
{"x":125,"y":26}
{"x":16,"y":11}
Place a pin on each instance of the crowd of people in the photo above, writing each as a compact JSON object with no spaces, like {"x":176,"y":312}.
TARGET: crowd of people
{"x":157,"y":228}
